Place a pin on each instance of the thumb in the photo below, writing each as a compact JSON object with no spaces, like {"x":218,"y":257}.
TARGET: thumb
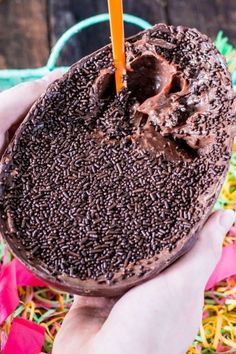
{"x":201,"y":260}
{"x":211,"y":237}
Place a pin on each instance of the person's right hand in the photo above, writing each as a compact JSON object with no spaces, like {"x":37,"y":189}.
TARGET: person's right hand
{"x":161,"y":316}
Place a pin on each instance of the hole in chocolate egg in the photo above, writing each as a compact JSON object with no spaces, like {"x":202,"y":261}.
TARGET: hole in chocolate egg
{"x":109,"y":88}
{"x":143,"y":120}
{"x":182,"y":144}
{"x":143,"y":81}
{"x":148,"y":75}
{"x":105,"y":85}
{"x":176,"y":85}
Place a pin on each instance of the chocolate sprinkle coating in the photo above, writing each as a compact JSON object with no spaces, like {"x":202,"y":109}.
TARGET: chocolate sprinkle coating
{"x":99,"y":191}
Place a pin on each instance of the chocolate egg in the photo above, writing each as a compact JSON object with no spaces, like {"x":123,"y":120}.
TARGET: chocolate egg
{"x":102,"y":191}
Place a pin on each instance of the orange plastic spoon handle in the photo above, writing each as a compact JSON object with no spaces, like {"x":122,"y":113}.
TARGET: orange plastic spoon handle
{"x":118,"y":40}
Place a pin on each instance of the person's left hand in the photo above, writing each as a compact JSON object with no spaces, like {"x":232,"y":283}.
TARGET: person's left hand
{"x":16,"y":102}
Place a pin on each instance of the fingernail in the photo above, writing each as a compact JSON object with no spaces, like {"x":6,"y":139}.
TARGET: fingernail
{"x":227,"y":218}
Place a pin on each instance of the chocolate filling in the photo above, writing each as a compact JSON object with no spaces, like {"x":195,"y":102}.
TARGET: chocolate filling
{"x":99,"y":191}
{"x":158,"y":91}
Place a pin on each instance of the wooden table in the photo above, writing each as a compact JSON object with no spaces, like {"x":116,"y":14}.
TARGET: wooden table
{"x":29,"y":28}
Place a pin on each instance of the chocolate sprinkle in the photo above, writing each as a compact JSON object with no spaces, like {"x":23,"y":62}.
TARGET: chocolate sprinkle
{"x":107,"y":188}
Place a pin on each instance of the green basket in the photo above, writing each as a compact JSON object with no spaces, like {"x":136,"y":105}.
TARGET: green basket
{"x":12,"y":77}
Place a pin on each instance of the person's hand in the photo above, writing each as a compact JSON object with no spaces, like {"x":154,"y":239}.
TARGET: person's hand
{"x":161,"y":316}
{"x":16,"y":102}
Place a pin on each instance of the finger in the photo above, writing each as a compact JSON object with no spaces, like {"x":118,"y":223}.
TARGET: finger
{"x":15,"y":102}
{"x":214,"y":231}
{"x":207,"y":251}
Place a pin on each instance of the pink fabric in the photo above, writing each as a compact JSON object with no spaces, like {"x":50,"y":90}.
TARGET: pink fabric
{"x":12,"y":275}
{"x":26,"y":277}
{"x":225,"y":268}
{"x":25,"y":337}
{"x":8,"y":291}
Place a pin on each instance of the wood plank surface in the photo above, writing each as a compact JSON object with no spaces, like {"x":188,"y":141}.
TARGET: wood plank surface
{"x":64,"y":14}
{"x":28,"y":28}
{"x":23,"y":33}
{"x":226,"y":14}
{"x":209,"y":16}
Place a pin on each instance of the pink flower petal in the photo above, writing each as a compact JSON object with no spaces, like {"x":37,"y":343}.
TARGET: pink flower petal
{"x":225,"y":268}
{"x":8,"y":291}
{"x":25,"y":337}
{"x":12,"y":275}
{"x":25,"y":277}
